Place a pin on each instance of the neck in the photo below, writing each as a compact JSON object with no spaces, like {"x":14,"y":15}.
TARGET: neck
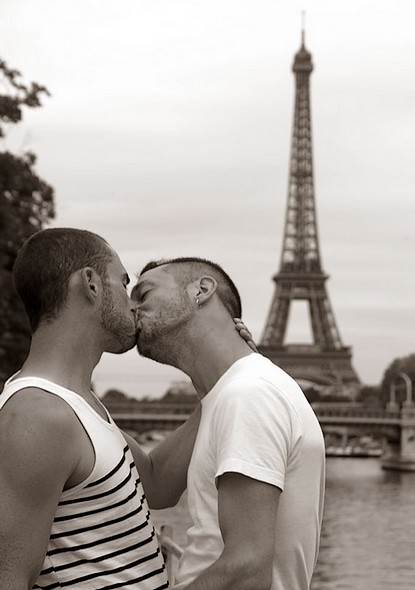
{"x":207,"y":353}
{"x":61,"y":355}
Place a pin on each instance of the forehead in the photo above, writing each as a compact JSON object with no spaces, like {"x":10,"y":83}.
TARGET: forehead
{"x":156,"y":276}
{"x":115,"y":265}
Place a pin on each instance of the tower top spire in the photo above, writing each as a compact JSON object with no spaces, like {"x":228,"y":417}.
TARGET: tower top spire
{"x":303,"y":28}
{"x":302,"y":59}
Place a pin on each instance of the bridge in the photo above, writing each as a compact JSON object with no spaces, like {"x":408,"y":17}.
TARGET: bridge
{"x":396,"y":426}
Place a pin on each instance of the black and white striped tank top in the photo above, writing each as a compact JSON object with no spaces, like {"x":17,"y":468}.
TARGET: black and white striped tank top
{"x":102,"y":537}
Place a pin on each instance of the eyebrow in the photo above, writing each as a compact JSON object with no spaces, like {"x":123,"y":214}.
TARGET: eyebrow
{"x":141,"y":283}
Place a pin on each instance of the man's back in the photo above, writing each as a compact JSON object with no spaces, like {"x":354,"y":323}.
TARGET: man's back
{"x":257,"y":422}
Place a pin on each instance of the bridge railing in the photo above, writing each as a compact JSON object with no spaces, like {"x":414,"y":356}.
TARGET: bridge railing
{"x":154,"y":407}
{"x":185,"y":409}
{"x":354,"y":411}
{"x":169,"y":416}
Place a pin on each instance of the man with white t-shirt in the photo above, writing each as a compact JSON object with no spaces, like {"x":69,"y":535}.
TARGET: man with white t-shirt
{"x":256,"y":476}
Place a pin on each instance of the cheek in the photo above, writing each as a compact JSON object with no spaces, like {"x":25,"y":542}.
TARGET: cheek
{"x":123,"y":302}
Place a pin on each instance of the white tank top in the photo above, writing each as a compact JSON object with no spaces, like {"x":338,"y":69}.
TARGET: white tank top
{"x":102,"y":537}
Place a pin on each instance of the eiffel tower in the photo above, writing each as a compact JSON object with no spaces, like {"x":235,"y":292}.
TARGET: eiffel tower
{"x":326,"y":361}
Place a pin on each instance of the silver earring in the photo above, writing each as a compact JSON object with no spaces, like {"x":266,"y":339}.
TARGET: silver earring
{"x":198,"y":302}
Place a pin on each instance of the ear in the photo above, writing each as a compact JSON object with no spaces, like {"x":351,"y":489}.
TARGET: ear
{"x":205,"y":289}
{"x":91,"y":283}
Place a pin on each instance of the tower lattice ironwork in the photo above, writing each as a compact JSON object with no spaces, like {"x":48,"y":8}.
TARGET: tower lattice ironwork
{"x":301,"y":277}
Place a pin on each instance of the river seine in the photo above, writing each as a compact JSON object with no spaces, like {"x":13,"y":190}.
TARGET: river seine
{"x":368,"y":536}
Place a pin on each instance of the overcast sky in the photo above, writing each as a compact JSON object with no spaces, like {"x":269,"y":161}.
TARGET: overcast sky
{"x":168,"y":132}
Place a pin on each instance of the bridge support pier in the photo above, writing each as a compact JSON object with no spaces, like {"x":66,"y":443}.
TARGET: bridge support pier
{"x":400,"y":456}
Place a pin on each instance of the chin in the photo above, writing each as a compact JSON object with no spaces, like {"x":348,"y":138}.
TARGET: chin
{"x":120,"y":347}
{"x":144,"y":350}
{"x":119,"y":350}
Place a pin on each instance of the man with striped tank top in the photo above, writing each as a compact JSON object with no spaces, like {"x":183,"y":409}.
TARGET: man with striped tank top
{"x":73,"y":512}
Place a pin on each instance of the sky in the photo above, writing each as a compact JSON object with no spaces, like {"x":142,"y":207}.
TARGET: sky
{"x":168,"y":132}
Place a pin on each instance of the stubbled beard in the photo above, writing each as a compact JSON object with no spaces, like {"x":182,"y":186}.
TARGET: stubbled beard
{"x":161,"y":338}
{"x":157,"y":350}
{"x":120,"y":329}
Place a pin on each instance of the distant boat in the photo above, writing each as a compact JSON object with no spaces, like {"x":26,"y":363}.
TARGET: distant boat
{"x":353,"y":452}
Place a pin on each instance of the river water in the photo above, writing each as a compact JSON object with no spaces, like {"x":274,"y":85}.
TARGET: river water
{"x":368,"y":536}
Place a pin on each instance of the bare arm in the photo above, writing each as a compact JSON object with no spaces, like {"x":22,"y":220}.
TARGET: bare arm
{"x":164,"y":470}
{"x":247,"y":519}
{"x":36,"y":459}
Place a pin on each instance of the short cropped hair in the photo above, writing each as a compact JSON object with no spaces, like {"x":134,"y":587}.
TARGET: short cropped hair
{"x":190,"y":268}
{"x":45,"y":263}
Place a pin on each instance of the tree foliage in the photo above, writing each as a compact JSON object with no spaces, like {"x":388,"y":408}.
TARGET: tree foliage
{"x":26,"y":204}
{"x":370,"y":396}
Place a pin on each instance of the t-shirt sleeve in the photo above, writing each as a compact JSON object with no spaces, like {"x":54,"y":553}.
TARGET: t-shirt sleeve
{"x":254,"y":430}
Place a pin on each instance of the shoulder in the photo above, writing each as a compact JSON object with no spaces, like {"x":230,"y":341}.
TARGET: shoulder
{"x":258,"y":378}
{"x":34,"y":422}
{"x":36,"y":406}
{"x":253,"y":400}
{"x":255,"y":390}
{"x":39,"y":449}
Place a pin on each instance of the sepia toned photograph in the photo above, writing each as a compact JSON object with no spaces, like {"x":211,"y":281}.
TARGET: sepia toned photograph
{"x":207,"y":352}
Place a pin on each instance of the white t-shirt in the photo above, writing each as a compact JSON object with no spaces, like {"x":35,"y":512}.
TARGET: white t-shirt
{"x":256,"y":421}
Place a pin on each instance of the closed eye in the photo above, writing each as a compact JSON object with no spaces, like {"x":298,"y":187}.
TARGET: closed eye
{"x":143,"y":295}
{"x":140,"y":291}
{"x":125,"y":280}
